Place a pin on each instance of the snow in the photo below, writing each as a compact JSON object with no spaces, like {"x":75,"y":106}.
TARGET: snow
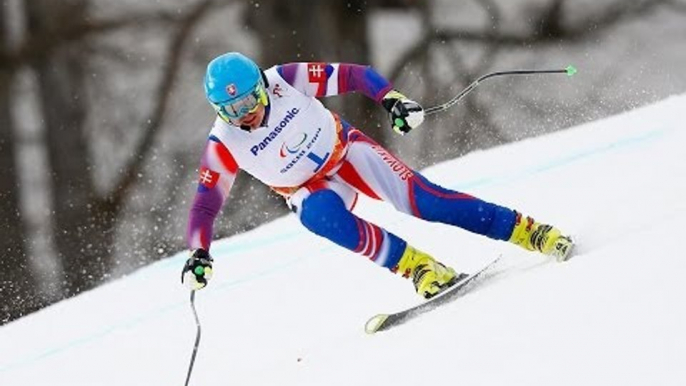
{"x":288,"y":308}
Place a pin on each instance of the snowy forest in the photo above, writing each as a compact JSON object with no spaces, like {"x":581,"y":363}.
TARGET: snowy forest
{"x":103,"y":116}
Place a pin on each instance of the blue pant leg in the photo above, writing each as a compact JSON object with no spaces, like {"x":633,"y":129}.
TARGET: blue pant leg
{"x":435,"y":203}
{"x":324,"y":213}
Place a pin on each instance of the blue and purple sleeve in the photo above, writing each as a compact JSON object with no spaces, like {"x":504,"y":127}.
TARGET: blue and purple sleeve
{"x":218,"y":171}
{"x":328,"y":79}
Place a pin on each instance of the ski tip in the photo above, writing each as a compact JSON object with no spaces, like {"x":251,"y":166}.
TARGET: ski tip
{"x":374,"y":323}
{"x":571,"y":70}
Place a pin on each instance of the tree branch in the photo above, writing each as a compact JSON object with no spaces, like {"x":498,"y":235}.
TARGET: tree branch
{"x":156,"y":119}
{"x":40,"y":46}
{"x":618,"y":12}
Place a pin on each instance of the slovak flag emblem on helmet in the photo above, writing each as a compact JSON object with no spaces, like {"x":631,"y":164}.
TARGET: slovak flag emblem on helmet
{"x":231,"y":89}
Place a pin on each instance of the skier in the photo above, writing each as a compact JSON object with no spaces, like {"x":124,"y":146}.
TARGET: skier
{"x":270,"y":124}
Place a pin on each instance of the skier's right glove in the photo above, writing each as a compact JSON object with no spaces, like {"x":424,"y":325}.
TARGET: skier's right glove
{"x":198,"y":270}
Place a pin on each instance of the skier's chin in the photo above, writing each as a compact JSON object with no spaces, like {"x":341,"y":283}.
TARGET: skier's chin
{"x":252,"y":126}
{"x":252,"y":121}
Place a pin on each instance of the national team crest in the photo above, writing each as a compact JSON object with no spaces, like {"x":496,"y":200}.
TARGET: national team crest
{"x":316,"y":72}
{"x":231,"y":89}
{"x":208,"y":178}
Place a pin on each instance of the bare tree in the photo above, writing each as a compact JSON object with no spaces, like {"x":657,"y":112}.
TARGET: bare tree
{"x":468,"y":52}
{"x":80,"y":231}
{"x":17,"y":287}
{"x":57,"y":47}
{"x":84,"y":218}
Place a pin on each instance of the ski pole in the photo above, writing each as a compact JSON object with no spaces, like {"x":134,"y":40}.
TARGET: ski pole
{"x":570,"y":71}
{"x":197,"y":338}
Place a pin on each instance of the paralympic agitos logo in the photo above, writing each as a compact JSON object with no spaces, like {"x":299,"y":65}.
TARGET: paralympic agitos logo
{"x":275,"y":133}
{"x":292,"y":149}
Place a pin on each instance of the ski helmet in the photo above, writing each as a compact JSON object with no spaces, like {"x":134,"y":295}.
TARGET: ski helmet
{"x":234,"y":86}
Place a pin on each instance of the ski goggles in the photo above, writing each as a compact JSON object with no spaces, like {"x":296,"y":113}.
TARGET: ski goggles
{"x":233,"y":111}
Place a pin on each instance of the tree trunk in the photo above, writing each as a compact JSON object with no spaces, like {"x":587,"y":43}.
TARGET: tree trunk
{"x":83,"y":226}
{"x":327,"y":31}
{"x":17,"y":286}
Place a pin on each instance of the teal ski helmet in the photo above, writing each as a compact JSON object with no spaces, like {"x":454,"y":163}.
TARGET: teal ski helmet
{"x":234,"y":86}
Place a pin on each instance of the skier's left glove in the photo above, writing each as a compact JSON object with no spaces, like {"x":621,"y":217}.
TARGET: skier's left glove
{"x":198,"y":270}
{"x":405,"y":113}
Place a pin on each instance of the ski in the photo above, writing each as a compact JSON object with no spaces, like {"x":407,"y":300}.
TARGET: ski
{"x":382,"y":322}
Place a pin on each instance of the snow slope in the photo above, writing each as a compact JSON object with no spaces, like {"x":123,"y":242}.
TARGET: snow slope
{"x":287,"y":308}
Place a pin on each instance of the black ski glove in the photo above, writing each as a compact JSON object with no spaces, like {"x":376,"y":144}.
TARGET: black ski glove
{"x":198,"y":270}
{"x":405,"y":114}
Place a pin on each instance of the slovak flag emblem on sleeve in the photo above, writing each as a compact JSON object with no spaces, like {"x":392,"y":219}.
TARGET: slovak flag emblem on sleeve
{"x":316,"y":72}
{"x":208,"y":178}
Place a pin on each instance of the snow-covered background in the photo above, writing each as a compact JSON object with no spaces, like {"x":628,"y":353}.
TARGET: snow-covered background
{"x":288,"y":308}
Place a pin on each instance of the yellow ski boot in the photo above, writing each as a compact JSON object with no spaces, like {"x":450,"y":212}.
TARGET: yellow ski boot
{"x":544,"y":238}
{"x":429,"y":276}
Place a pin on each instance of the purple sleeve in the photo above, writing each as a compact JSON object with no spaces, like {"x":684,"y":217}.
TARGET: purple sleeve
{"x":218,"y":171}
{"x":205,"y":208}
{"x":328,"y":79}
{"x":354,"y":77}
{"x":288,"y":72}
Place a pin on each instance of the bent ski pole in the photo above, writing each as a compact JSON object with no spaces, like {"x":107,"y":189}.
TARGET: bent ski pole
{"x":570,"y":71}
{"x":197,"y":338}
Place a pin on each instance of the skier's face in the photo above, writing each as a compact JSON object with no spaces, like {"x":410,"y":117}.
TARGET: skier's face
{"x":253,"y":119}
{"x":246,"y":110}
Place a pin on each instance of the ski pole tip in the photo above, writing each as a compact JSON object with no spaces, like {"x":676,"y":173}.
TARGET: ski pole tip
{"x":571,"y":70}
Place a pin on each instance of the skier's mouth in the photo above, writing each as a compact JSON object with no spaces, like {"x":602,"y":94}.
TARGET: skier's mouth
{"x":251,"y":121}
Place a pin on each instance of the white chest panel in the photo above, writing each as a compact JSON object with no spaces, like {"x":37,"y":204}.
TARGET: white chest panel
{"x":296,"y":142}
